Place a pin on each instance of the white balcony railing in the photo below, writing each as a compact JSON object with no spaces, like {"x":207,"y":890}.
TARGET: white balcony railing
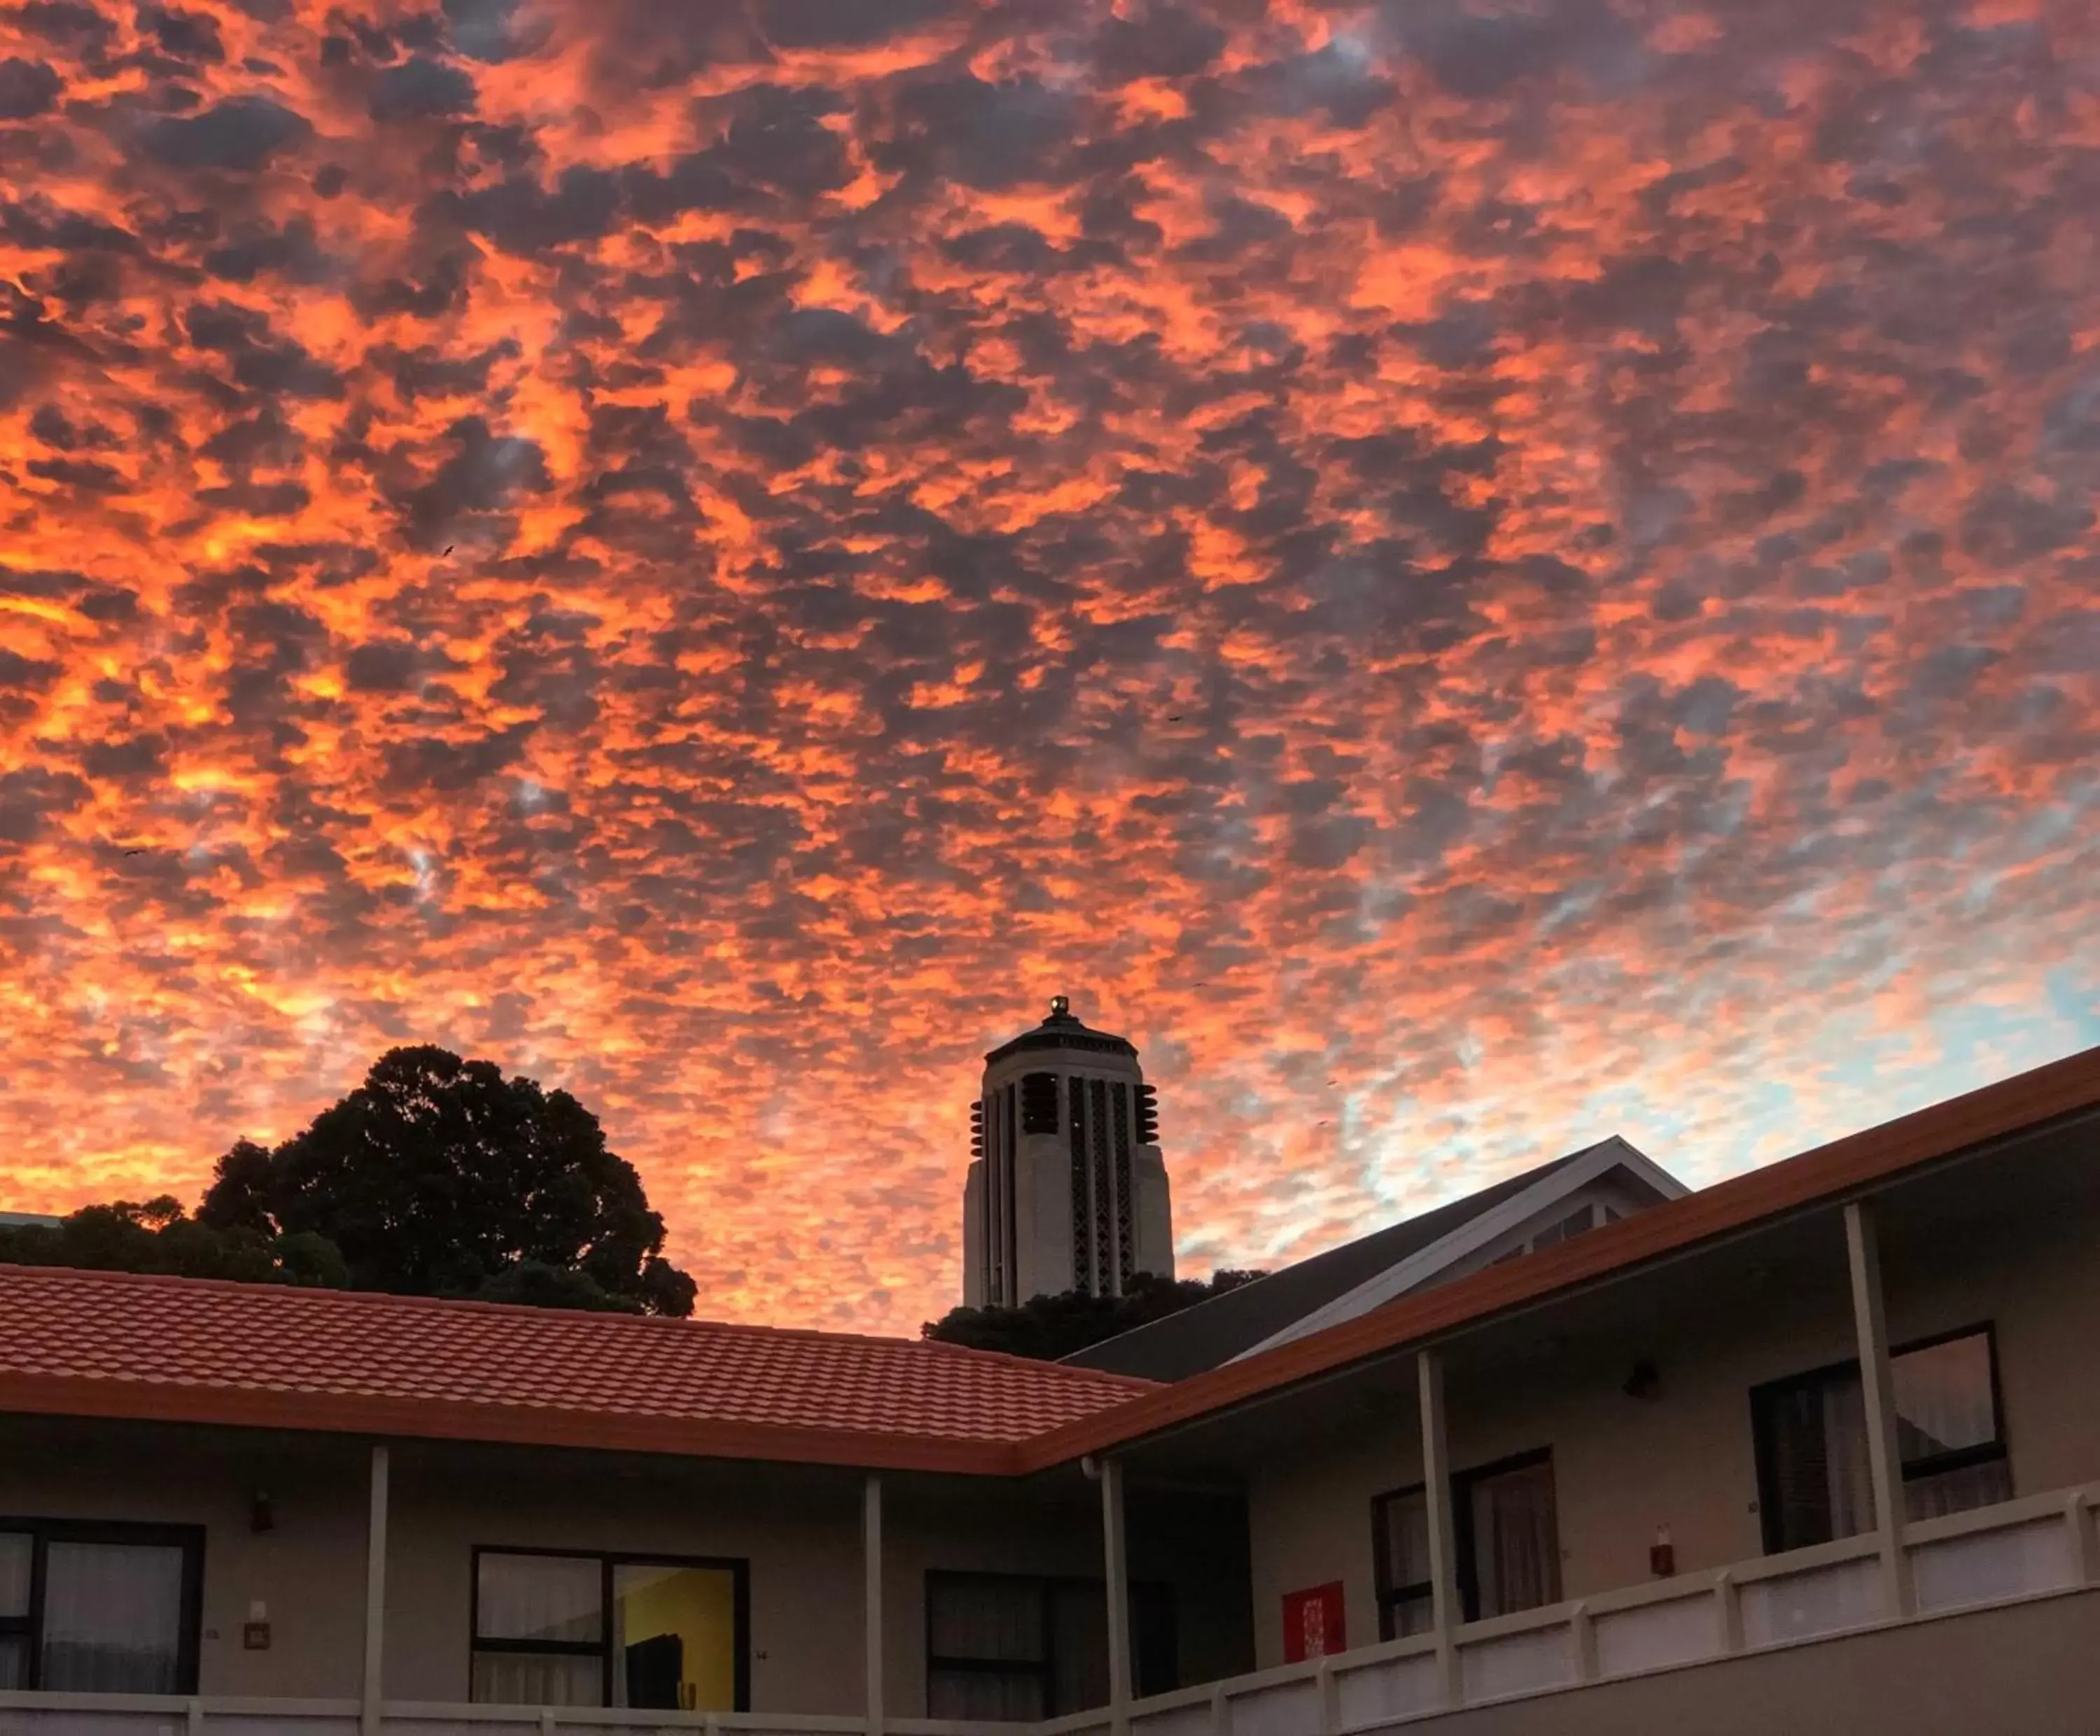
{"x":2043,"y":1546}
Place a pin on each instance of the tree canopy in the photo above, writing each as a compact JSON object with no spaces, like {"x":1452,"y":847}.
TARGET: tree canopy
{"x":1047,"y":1327}
{"x":436,"y":1177}
{"x":157,"y":1236}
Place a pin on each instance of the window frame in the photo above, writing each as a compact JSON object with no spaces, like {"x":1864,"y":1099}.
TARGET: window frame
{"x":42,"y":1533}
{"x":1465,"y":1543}
{"x":1998,"y":1448}
{"x":1466,"y":1568}
{"x":600,"y":1648}
{"x":1045,"y":1668}
{"x":1388,"y":1596}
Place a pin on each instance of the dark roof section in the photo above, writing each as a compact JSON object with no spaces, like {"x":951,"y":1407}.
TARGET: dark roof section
{"x":1060,"y":1030}
{"x":1215,"y":1332}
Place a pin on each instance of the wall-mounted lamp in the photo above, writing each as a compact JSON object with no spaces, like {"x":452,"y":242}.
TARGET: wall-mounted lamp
{"x":1661,"y":1554}
{"x":261,"y":1517}
{"x":255,"y":1631}
{"x":1644,"y":1382}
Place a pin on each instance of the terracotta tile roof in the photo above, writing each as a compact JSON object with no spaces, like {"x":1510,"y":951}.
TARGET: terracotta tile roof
{"x":116,"y":1344}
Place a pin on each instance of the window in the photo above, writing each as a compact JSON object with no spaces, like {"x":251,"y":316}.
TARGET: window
{"x":1022,"y":1647}
{"x":1811,"y":1436}
{"x":1576,"y":1223}
{"x":99,"y":1608}
{"x":596,"y":1630}
{"x":1400,"y":1530}
{"x":1507,"y":1537}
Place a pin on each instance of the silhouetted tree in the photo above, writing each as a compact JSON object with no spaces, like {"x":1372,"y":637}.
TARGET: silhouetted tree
{"x":158,"y":1236}
{"x":1047,"y":1327}
{"x":440,"y":1176}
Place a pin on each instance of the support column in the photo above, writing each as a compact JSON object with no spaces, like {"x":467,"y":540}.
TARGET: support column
{"x":1436,"y":1499}
{"x":1877,"y":1382}
{"x":870,"y":1522}
{"x":1117,"y":1588}
{"x":375,"y":1594}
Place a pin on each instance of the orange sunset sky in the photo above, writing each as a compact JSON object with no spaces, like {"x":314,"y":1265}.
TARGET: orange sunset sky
{"x":1469,"y":575}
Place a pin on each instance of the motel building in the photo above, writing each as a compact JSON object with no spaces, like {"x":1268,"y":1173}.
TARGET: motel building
{"x":1816,"y":1449}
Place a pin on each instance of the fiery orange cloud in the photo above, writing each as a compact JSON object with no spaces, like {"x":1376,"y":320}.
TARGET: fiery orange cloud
{"x":1470,"y":573}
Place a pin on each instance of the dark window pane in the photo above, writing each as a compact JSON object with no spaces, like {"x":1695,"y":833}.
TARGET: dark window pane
{"x":1403,"y":1539}
{"x":539,"y":1597}
{"x":1406,"y":1617}
{"x":997,"y":1619}
{"x":112,"y":1618}
{"x":15,"y":1548}
{"x":1943,"y":1398}
{"x":1079,"y":1645}
{"x":1155,"y":1650}
{"x":1814,"y":1439}
{"x":1973,"y":1486}
{"x":14,"y":1662}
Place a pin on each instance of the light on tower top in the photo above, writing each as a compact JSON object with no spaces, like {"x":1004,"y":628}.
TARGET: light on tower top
{"x":1059,"y":1006}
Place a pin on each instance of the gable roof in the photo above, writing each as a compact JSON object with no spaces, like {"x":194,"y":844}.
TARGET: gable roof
{"x":115,"y":1344}
{"x":1497,"y":1219}
{"x":2058,"y":1092}
{"x":1225,"y":1327}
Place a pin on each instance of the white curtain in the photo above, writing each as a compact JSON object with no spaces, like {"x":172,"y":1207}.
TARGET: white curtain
{"x":112,"y":1618}
{"x":539,"y":1597}
{"x":1845,"y":1458}
{"x":525,"y":1679}
{"x":1516,"y":1544}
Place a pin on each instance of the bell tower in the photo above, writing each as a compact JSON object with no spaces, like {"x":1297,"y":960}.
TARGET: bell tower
{"x":1067,"y":1189}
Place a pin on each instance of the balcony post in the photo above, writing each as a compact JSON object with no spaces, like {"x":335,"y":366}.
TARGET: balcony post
{"x":375,"y":1594}
{"x":1436,"y":1499}
{"x":1877,"y":1384}
{"x":1117,"y":1585}
{"x":871,"y":1513}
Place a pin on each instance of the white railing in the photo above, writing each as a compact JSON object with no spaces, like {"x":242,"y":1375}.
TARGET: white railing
{"x":2036,"y":1548}
{"x":2040,"y":1547}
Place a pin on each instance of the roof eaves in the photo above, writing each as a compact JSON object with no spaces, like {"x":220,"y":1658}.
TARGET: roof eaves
{"x":1826,"y":1175}
{"x":502,"y":1424}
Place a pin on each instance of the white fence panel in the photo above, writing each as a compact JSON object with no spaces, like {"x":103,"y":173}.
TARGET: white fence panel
{"x":1653,"y":1636}
{"x":1985,"y":1566}
{"x":1290,"y":1708}
{"x":1381,"y":1693}
{"x":1524,"y":1663}
{"x":23,"y":1720}
{"x":1817,"y":1600}
{"x":1177,"y":1721}
{"x":391,"y":1725}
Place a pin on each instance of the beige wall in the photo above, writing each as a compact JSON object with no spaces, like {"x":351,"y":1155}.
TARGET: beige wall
{"x":1685,"y":1459}
{"x":799,"y":1529}
{"x":308,"y":1571}
{"x":2032,"y":1669}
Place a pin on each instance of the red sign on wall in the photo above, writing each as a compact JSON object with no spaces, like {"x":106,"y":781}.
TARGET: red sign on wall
{"x":1313,"y":1625}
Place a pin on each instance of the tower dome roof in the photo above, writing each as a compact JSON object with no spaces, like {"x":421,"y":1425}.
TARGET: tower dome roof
{"x":1060,"y":1029}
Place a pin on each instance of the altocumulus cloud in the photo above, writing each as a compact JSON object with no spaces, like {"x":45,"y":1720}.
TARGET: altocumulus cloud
{"x":1470,"y":574}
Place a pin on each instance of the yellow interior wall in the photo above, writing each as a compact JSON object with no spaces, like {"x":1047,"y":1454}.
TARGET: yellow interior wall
{"x":699,"y":1605}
